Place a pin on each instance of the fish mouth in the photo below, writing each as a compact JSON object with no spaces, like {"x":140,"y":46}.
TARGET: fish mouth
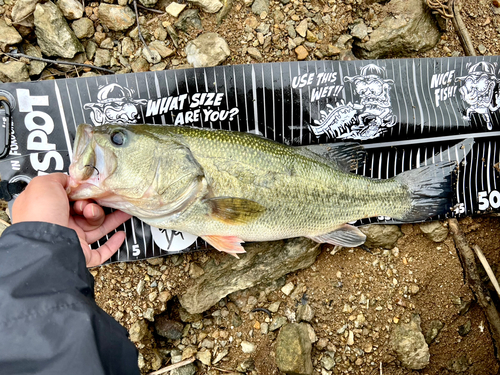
{"x":87,"y":169}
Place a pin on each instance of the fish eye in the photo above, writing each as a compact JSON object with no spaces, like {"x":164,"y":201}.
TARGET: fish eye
{"x":117,"y":137}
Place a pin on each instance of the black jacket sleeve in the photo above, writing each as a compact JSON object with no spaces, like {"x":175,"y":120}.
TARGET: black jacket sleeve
{"x":49,"y":321}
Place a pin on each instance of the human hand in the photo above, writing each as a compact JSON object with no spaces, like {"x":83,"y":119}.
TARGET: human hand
{"x":45,"y":199}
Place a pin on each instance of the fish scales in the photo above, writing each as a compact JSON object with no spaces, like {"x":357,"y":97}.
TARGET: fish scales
{"x":230,"y":187}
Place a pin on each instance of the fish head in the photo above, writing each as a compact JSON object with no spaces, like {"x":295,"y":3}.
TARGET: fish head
{"x":110,"y":160}
{"x":131,"y":168}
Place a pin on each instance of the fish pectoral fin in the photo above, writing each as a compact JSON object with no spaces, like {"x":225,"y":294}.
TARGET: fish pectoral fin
{"x":227,"y":244}
{"x":346,"y":235}
{"x":235,"y":211}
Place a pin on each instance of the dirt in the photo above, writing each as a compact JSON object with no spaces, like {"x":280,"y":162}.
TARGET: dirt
{"x":387,"y":278}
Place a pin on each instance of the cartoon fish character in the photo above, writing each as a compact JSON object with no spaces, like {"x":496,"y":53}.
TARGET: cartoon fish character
{"x":230,"y":187}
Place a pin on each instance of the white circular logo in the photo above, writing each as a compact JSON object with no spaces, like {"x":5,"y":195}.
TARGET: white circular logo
{"x":172,"y":240}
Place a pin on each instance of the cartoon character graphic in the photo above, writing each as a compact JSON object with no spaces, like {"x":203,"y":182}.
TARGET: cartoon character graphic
{"x":115,"y":105}
{"x":369,"y":118}
{"x":477,"y":91}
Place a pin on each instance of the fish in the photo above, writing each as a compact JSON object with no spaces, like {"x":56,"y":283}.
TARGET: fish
{"x":232,"y":187}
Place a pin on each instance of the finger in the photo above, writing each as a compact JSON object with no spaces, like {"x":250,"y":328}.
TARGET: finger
{"x":106,"y":251}
{"x":111,"y":222}
{"x":94,"y":214}
{"x":79,"y":206}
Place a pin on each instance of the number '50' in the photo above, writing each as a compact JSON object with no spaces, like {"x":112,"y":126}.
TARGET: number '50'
{"x":486,"y":200}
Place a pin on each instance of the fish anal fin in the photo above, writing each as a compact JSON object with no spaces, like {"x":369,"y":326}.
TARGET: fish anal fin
{"x":235,"y":211}
{"x":227,"y":244}
{"x":346,"y":235}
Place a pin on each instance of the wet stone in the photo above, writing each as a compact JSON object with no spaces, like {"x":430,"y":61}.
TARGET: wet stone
{"x":169,"y":329}
{"x":435,"y":327}
{"x":464,"y":329}
{"x":293,"y":349}
{"x":409,"y":343}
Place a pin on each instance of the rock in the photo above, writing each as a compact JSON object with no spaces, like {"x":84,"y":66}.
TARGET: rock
{"x":102,"y":57}
{"x":287,"y":288}
{"x":128,"y":46}
{"x":188,"y":19}
{"x":107,"y":43}
{"x":464,"y":329}
{"x":148,"y":3}
{"x":8,"y":34}
{"x":328,"y":361}
{"x":71,"y":9}
{"x":435,"y":327}
{"x":277,"y":323}
{"x":246,"y":366}
{"x":350,"y":338}
{"x":247,"y":347}
{"x":83,"y":28}
{"x":274,"y":307}
{"x":140,"y":65}
{"x":458,"y":365}
{"x":35,"y":67}
{"x":195,"y":270}
{"x":22,"y":9}
{"x":301,"y":29}
{"x":409,"y":343}
{"x":151,"y":55}
{"x":149,"y":314}
{"x":410,"y":27}
{"x":169,"y":329}
{"x":90,"y":49}
{"x":14,"y":71}
{"x":359,"y":30}
{"x":435,"y":231}
{"x":262,"y":263}
{"x":344,"y":42}
{"x":138,"y":330}
{"x":301,"y":52}
{"x":381,"y":235}
{"x":187,"y":317}
{"x":260,"y":6}
{"x":209,"y":49}
{"x":293,"y":350}
{"x":189,"y":369}
{"x":254,"y":53}
{"x":312,"y":334}
{"x":482,"y":49}
{"x":209,"y":6}
{"x":305,"y":313}
{"x":54,"y":36}
{"x":116,"y":17}
{"x":174,"y":9}
{"x":204,"y":357}
{"x":161,"y":48}
{"x":322,"y":343}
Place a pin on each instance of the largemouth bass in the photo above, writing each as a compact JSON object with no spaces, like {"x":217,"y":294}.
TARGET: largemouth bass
{"x":229,"y":187}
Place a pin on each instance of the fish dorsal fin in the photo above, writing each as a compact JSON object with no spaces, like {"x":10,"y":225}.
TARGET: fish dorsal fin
{"x":346,"y":235}
{"x":347,"y":156}
{"x":235,"y":211}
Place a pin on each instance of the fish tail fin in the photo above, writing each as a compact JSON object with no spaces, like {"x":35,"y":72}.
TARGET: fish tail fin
{"x":430,"y":190}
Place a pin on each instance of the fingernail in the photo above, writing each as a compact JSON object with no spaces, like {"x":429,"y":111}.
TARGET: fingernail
{"x":93,"y":210}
